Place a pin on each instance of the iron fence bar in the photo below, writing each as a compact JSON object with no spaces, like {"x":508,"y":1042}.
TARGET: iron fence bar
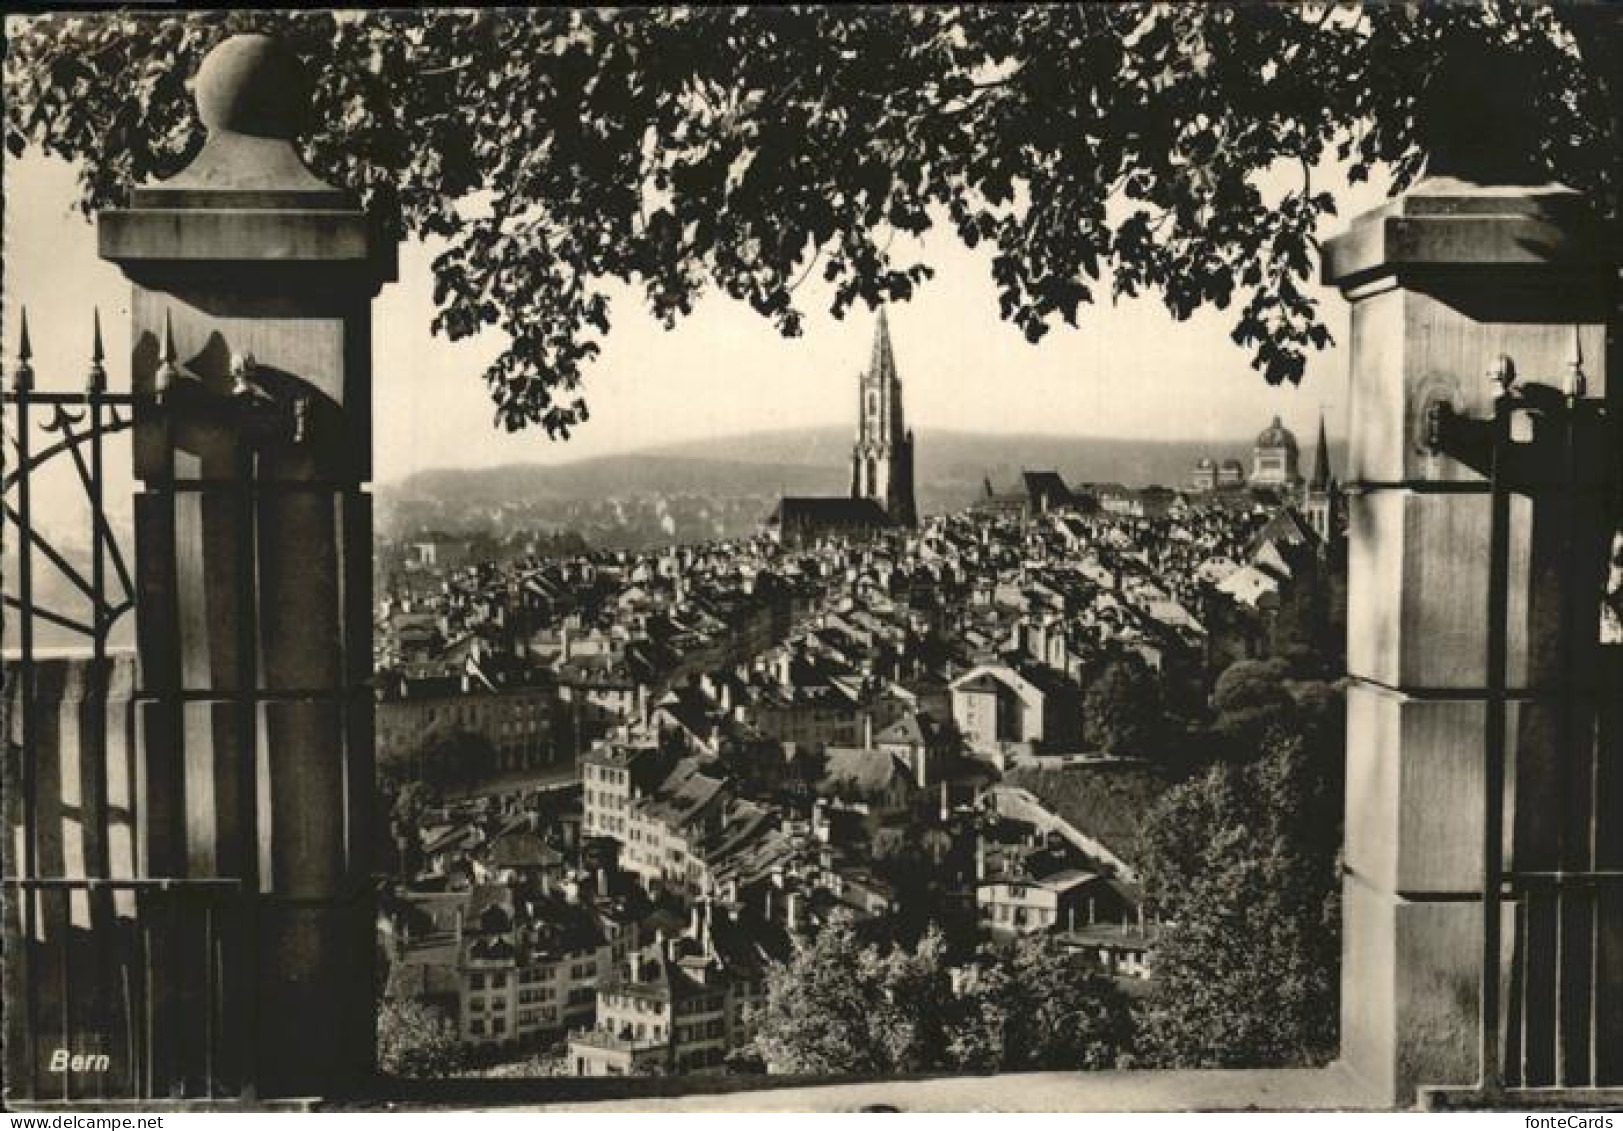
{"x":1567,"y":706}
{"x":1492,"y":1071}
{"x":64,"y":984}
{"x":45,"y":396}
{"x":1613,"y":491}
{"x":98,"y":580}
{"x":22,"y":605}
{"x":131,"y":1052}
{"x":1524,"y":934}
{"x":148,"y":994}
{"x":133,"y":883}
{"x":208,"y":1000}
{"x":23,"y":378}
{"x":247,"y":734}
{"x":95,"y":383}
{"x":103,"y":909}
{"x":177,"y":1048}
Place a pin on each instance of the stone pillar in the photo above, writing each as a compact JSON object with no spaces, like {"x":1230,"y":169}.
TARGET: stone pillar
{"x":1442,"y":281}
{"x":252,"y":283}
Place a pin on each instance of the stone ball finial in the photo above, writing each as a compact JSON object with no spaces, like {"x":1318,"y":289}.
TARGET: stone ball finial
{"x":252,"y":84}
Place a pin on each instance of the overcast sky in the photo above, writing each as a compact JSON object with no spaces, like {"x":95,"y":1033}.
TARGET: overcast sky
{"x":1128,"y":371}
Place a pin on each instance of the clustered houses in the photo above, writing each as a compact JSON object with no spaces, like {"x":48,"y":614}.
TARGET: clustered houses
{"x":773,"y":731}
{"x":684,"y":1004}
{"x":538,"y":657}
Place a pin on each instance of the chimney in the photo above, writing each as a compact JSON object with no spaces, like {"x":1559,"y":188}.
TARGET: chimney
{"x":867,"y":730}
{"x":980,"y":858}
{"x":636,"y":964}
{"x":603,"y":881}
{"x":563,"y":645}
{"x":946,"y":807}
{"x":792,"y":921}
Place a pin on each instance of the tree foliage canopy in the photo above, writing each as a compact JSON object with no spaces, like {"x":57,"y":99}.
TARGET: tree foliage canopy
{"x":1099,"y":150}
{"x":1031,"y":1006}
{"x":845,"y":1006}
{"x":1122,"y":709}
{"x":1242,"y":864}
{"x":417,"y":1040}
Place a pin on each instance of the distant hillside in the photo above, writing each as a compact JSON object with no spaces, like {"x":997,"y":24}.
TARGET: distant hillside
{"x":951,"y":468}
{"x":639,"y":473}
{"x":953,"y":457}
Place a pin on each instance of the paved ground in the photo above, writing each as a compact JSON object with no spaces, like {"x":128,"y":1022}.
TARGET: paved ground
{"x":1214,"y":1090}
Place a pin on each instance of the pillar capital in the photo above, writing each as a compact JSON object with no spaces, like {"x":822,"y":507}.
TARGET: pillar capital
{"x":247,"y":197}
{"x":1443,"y":224}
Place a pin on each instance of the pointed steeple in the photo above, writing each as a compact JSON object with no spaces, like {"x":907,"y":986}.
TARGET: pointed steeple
{"x":1321,"y":461}
{"x":883,"y":363}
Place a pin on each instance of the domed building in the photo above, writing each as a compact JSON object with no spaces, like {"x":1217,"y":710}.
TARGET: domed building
{"x":1204,"y":477}
{"x":1230,"y":474}
{"x":1275,"y":459}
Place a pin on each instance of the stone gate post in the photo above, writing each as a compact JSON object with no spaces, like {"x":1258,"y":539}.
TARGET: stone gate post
{"x":252,"y":283}
{"x":1444,"y":281}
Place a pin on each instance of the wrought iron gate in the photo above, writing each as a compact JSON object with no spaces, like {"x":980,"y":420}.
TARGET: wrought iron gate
{"x":1552,"y":942}
{"x":119,"y":984}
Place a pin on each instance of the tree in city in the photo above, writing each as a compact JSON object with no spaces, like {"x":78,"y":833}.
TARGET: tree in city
{"x":1250,"y":699}
{"x":1257,"y":701}
{"x":1032,"y":1006}
{"x":844,"y":1005}
{"x":1122,"y":710}
{"x":406,"y":802}
{"x":1097,"y":151}
{"x":841,"y":1005}
{"x":1241,"y":866}
{"x":416,"y":1039}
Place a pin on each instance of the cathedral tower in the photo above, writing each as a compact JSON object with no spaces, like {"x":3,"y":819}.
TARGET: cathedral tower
{"x":882,"y":459}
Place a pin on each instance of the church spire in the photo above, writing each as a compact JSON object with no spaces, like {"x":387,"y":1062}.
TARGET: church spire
{"x":1321,"y":461}
{"x":882,"y":366}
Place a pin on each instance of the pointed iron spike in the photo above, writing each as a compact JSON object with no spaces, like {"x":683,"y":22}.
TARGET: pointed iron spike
{"x":22,"y":375}
{"x":96,"y":379}
{"x":166,"y":372}
{"x":1577,"y":379}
